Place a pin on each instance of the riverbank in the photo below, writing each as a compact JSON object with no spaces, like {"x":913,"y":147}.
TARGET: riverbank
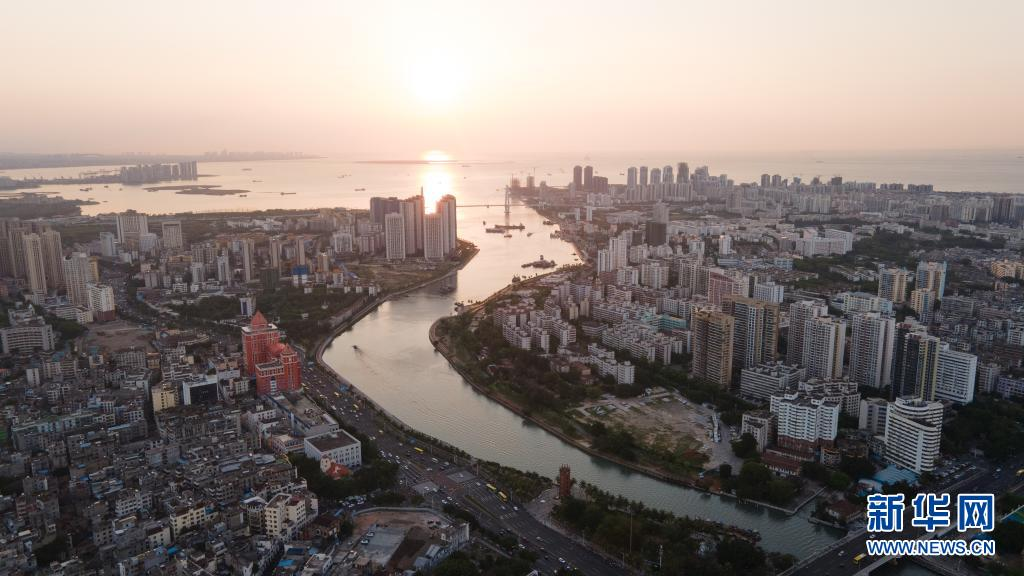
{"x":346,"y":320}
{"x":442,"y":345}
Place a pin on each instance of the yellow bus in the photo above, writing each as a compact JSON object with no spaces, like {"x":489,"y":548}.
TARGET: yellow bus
{"x":492,"y":488}
{"x":503,"y":497}
{"x":418,"y":449}
{"x":859,"y":557}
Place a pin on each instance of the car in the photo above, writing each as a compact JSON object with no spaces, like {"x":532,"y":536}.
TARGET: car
{"x":561,"y":560}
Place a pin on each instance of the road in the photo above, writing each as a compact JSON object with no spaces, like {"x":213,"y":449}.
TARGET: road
{"x":456,"y":481}
{"x":838,"y":560}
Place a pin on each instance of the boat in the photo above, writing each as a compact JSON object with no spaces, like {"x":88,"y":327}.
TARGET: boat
{"x":507,"y":235}
{"x":243,"y":195}
{"x":257,"y":180}
{"x":354,"y":347}
{"x":528,"y":234}
{"x":288,"y":193}
{"x":246,"y":169}
{"x":360,"y":189}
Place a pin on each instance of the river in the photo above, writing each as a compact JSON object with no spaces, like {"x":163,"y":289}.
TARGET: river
{"x":398,"y":368}
{"x":396,"y":365}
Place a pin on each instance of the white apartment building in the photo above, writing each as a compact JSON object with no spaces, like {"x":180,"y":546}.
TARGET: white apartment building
{"x":955,"y":376}
{"x":913,"y":430}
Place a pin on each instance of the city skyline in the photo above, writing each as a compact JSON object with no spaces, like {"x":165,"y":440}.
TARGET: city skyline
{"x":393,"y":80}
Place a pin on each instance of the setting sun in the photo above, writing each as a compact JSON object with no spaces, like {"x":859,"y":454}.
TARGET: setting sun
{"x":435,"y":80}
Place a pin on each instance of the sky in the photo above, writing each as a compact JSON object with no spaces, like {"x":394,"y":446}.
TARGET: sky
{"x":393,"y":79}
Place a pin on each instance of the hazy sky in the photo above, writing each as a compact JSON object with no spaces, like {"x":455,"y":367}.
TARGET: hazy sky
{"x":374,"y":78}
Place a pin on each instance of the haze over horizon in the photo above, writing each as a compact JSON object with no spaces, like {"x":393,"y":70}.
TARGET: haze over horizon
{"x":395,"y":80}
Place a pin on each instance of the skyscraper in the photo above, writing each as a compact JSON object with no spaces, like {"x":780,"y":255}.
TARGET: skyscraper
{"x":394,"y":236}
{"x":275,"y":253}
{"x":922,"y":301}
{"x":682,"y":173}
{"x":871,"y":349}
{"x":130,"y":226}
{"x":915,"y":361}
{"x":446,"y":207}
{"x":892,"y":284}
{"x":35,"y":264}
{"x":712,"y":346}
{"x":913,"y":431}
{"x":433,"y":237}
{"x":955,"y":376}
{"x":931,"y":276}
{"x":412,"y":214}
{"x":755,"y":330}
{"x":53,"y":257}
{"x":248,"y":259}
{"x":173,"y":238}
{"x":79,"y":272}
{"x":824,"y":340}
{"x":300,"y":250}
{"x":799,"y":314}
{"x":381,"y":207}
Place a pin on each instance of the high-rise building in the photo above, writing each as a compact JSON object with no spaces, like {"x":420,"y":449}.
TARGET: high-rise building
{"x":433,"y":237}
{"x":108,"y":245}
{"x":300,"y":250}
{"x":643,"y":176}
{"x":631,"y":176}
{"x":769,"y":292}
{"x":101,"y":302}
{"x":913,"y":430}
{"x":53,"y":257}
{"x":79,"y":272}
{"x":755,"y":330}
{"x":381,"y":207}
{"x":412,"y":214}
{"x":666,"y":175}
{"x":394,"y":236}
{"x":588,"y":178}
{"x":806,"y":421}
{"x":655,"y":175}
{"x":955,"y":376}
{"x":274,"y":364}
{"x":712,"y":346}
{"x":35,"y":263}
{"x":799,"y":314}
{"x":922,"y":301}
{"x":892,"y":284}
{"x":173,"y":238}
{"x":682,"y":173}
{"x":872,"y":416}
{"x":763,"y":380}
{"x":824,"y":340}
{"x":656,"y":233}
{"x":577,"y":178}
{"x":931,"y":276}
{"x":446,"y":207}
{"x":130,"y":226}
{"x":915,"y":362}
{"x":871,"y":349}
{"x":275,"y":252}
{"x":224,"y":274}
{"x":248,"y":259}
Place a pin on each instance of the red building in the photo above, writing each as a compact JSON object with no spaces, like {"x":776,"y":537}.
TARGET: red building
{"x":274,"y":364}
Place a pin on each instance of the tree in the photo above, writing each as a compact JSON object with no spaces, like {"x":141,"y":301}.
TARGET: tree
{"x":458,"y":564}
{"x":745,"y":447}
{"x":838,"y":481}
{"x":724,"y":471}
